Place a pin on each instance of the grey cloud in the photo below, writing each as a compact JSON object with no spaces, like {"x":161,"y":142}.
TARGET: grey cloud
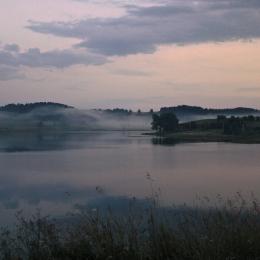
{"x":142,"y":29}
{"x":12,"y":47}
{"x":54,"y":59}
{"x":160,"y":11}
{"x":225,"y":4}
{"x":118,"y":2}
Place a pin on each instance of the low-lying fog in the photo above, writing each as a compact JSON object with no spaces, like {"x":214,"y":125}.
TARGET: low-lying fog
{"x":75,"y":119}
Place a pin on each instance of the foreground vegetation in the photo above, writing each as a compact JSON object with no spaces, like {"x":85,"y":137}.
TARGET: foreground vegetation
{"x":228,"y":230}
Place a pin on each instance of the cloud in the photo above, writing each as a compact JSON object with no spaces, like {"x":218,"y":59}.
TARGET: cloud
{"x":11,"y":56}
{"x":143,"y":28}
{"x":118,"y":2}
{"x":12,"y":47}
{"x":12,"y":59}
{"x":10,"y":73}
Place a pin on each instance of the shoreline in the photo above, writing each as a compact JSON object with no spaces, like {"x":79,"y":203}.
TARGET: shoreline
{"x":203,"y":137}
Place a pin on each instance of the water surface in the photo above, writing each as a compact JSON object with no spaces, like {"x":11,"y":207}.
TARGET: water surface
{"x":55,"y":172}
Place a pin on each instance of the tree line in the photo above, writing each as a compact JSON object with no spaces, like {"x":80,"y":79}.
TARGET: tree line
{"x":168,"y":122}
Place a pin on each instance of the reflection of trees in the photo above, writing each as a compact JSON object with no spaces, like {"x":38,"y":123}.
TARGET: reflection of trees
{"x":42,"y":141}
{"x":163,"y":141}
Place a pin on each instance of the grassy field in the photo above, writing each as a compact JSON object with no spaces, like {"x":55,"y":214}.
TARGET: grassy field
{"x":228,"y":229}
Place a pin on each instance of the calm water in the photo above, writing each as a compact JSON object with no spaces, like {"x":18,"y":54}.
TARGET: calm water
{"x":57,"y":172}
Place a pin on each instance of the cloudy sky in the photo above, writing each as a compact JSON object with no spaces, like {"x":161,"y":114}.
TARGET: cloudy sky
{"x":130,"y":53}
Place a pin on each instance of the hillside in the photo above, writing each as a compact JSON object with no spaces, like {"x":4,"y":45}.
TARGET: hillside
{"x":200,"y":111}
{"x":29,"y":107}
{"x":47,"y":116}
{"x":61,"y":117}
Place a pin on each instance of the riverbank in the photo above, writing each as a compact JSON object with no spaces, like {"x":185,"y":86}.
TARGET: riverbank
{"x":222,"y":129}
{"x":205,"y":136}
{"x":229,"y":229}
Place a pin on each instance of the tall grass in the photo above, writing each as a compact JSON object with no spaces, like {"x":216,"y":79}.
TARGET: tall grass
{"x":229,"y":229}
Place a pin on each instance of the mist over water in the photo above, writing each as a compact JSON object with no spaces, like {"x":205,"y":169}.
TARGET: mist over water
{"x":58,"y":171}
{"x":74,"y":119}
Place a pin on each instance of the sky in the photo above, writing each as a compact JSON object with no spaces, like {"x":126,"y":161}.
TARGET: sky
{"x":130,"y":54}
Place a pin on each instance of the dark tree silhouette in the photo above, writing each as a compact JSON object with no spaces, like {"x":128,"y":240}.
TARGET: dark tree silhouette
{"x":165,"y":122}
{"x":118,"y":111}
{"x":195,"y":110}
{"x":234,"y":126}
{"x":156,"y":125}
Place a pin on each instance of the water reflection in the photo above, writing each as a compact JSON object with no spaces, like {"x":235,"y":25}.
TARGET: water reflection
{"x":11,"y":196}
{"x":24,"y":142}
{"x":164,"y":141}
{"x":54,"y":141}
{"x":54,"y":172}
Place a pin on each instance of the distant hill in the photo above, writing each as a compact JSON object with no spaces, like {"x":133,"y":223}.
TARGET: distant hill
{"x":47,"y":116}
{"x":29,"y":107}
{"x":43,"y":116}
{"x":179,"y":110}
{"x":200,"y":111}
